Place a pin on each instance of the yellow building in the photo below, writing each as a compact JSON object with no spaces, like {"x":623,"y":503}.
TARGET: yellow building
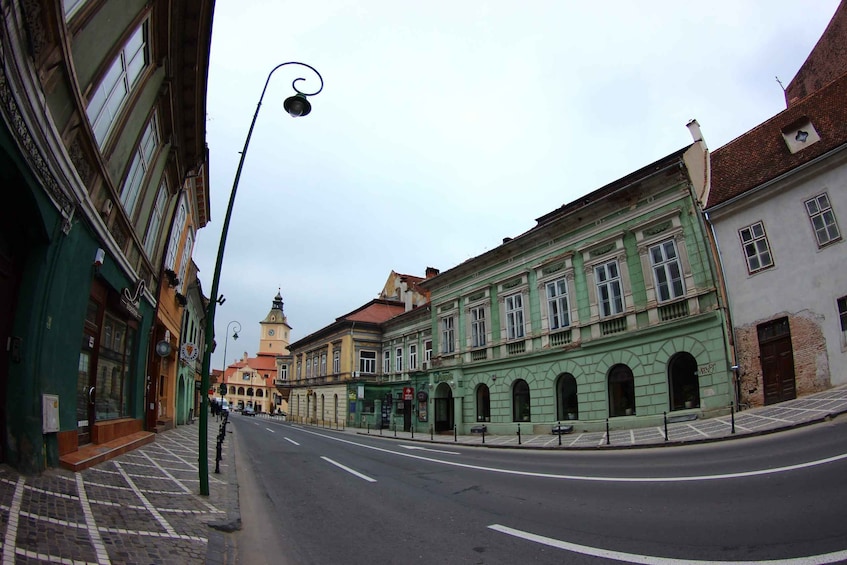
{"x":252,"y":381}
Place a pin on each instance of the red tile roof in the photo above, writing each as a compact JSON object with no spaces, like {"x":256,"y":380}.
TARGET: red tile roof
{"x":761,"y":154}
{"x":376,"y":311}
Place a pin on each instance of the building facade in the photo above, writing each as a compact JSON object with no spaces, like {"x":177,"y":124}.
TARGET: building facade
{"x":777,"y":194}
{"x":606,"y":310}
{"x":103,"y":125}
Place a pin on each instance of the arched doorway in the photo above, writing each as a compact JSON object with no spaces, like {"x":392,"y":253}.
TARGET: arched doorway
{"x":567,"y":399}
{"x":443,"y":408}
{"x":683,"y":382}
{"x":483,"y":403}
{"x":521,"y":408}
{"x":621,"y":391}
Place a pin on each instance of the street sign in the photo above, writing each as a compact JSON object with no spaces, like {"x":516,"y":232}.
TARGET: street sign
{"x":408,"y":393}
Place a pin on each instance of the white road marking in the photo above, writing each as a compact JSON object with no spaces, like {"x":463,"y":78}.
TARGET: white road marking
{"x":291,"y":440}
{"x":833,"y":557}
{"x":720,"y":476}
{"x":349,"y":470}
{"x":428,"y":449}
{"x":270,"y":430}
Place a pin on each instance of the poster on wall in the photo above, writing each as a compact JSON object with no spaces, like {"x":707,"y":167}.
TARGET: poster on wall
{"x":422,"y":415}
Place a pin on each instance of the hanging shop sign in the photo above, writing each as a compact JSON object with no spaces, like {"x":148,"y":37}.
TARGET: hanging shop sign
{"x":131,"y":300}
{"x":188,"y":352}
{"x":408,"y":393}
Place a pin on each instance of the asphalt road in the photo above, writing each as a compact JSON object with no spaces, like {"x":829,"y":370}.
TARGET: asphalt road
{"x":313,"y":496}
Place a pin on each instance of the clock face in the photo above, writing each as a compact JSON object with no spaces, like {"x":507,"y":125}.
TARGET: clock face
{"x":271,"y":332}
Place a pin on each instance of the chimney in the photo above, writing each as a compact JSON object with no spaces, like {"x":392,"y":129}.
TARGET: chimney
{"x":431,"y":272}
{"x":694,"y":128}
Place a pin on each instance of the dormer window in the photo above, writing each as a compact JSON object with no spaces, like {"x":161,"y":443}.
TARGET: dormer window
{"x":799,"y":134}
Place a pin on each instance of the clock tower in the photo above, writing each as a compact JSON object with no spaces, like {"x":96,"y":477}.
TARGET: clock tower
{"x":275,"y":330}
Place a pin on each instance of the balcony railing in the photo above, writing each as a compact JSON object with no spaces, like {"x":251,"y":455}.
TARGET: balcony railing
{"x":673,"y":311}
{"x":560,"y":338}
{"x":479,"y":355}
{"x":516,"y":348}
{"x":610,"y":327}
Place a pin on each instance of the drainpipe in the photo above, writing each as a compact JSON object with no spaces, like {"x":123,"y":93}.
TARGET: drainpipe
{"x":728,"y":311}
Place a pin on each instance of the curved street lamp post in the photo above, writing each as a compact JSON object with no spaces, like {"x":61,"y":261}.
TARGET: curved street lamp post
{"x":226,"y":340}
{"x":296,"y":105}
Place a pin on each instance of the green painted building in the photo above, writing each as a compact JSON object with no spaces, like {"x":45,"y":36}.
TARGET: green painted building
{"x":607,"y":309}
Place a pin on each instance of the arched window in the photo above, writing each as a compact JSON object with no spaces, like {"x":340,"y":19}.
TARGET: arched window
{"x":621,"y":391}
{"x":567,"y":401}
{"x":520,"y":402}
{"x":250,"y":391}
{"x":232,"y":390}
{"x":483,"y":404}
{"x":683,"y":383}
{"x":241,"y":390}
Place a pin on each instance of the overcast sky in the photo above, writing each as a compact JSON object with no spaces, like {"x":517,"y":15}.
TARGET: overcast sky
{"x":445,"y":126}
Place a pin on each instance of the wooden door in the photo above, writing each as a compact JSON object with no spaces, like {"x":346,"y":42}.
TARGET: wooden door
{"x":777,"y":360}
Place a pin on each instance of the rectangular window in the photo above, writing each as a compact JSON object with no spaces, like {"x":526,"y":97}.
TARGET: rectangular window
{"x":186,"y":257}
{"x":299,"y":369}
{"x":367,"y":362}
{"x":141,"y":161}
{"x":609,"y":295}
{"x":754,"y":240}
{"x":448,"y":334}
{"x":514,"y":316}
{"x":112,"y":389}
{"x":667,"y":272}
{"x":71,"y":6}
{"x":323,"y":364}
{"x":308,"y":368}
{"x":558,"y":306}
{"x":283,"y":372}
{"x":336,"y":362}
{"x":478,"y":326}
{"x":842,"y":314}
{"x":111,"y":95}
{"x":398,"y":359}
{"x":386,"y":361}
{"x":152,"y":234}
{"x":413,"y":356}
{"x":176,"y":232}
{"x":428,"y":351}
{"x":315,"y":365}
{"x":823,"y":219}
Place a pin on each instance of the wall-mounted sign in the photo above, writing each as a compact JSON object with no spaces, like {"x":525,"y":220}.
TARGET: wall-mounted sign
{"x":408,"y":393}
{"x":163,"y":348}
{"x":189,"y":352}
{"x":132,"y":300}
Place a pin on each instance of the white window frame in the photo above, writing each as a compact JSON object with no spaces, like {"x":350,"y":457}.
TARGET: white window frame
{"x":142,"y":159}
{"x":186,"y":257}
{"x":477,"y":316}
{"x":514,"y":307}
{"x":558,"y":303}
{"x":398,"y":359}
{"x":336,"y":361}
{"x":367,"y":361}
{"x":176,"y":232}
{"x":822,"y":217}
{"x":413,"y":356}
{"x":308,"y":367}
{"x":386,"y":361}
{"x":756,"y":248}
{"x":663,"y":266}
{"x":448,"y":334}
{"x":283,"y":372}
{"x":609,"y":302}
{"x":108,"y":100}
{"x":323,"y":364}
{"x":151,"y":236}
{"x":427,"y":351}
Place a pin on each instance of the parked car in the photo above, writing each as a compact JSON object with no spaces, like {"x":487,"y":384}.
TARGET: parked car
{"x":248,"y":411}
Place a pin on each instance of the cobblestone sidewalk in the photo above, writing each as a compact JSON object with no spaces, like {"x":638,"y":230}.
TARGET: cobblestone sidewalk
{"x":141,"y":507}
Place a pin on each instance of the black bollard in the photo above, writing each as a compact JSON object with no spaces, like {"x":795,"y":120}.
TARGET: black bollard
{"x":430,"y":434}
{"x":608,"y":437}
{"x":395,"y":429}
{"x":483,"y":434}
{"x":412,"y":429}
{"x":455,"y":436}
{"x":665,"y":415}
{"x":519,"y":434}
{"x":732,"y":415}
{"x":559,"y":432}
{"x":369,"y":428}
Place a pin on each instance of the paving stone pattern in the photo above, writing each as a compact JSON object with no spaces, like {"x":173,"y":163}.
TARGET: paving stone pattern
{"x":143,"y":507}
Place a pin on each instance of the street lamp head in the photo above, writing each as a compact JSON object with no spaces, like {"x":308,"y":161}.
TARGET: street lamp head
{"x":234,"y":335}
{"x":297,"y":105}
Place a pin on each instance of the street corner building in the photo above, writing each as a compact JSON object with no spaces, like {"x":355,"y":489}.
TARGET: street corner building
{"x":104,"y":163}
